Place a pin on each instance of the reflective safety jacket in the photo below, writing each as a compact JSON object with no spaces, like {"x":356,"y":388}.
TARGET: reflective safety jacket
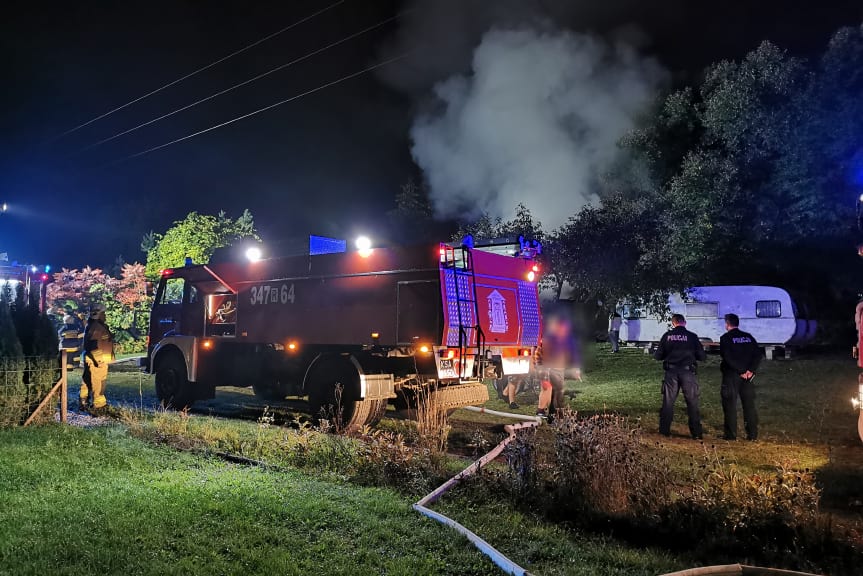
{"x":98,"y":342}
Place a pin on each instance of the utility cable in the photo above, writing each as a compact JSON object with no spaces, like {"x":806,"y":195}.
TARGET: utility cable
{"x":250,"y":80}
{"x":264,"y":109}
{"x":199,"y":70}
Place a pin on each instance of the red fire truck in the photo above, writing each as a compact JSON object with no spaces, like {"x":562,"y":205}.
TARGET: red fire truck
{"x":349,"y":331}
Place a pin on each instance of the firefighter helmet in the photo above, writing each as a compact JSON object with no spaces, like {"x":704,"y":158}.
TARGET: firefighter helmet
{"x":97,"y":312}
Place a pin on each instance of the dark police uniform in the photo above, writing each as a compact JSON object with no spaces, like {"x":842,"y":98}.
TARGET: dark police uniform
{"x":679,"y":349}
{"x":740,"y":354}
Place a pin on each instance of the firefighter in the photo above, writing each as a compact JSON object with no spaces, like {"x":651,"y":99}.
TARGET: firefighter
{"x":740,"y":358}
{"x":680,"y":350}
{"x":98,"y":353}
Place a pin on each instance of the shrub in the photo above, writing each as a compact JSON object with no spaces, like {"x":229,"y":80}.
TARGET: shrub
{"x":13,"y":392}
{"x":595,"y":466}
{"x":385,"y":459}
{"x":24,"y":382}
{"x":599,"y":474}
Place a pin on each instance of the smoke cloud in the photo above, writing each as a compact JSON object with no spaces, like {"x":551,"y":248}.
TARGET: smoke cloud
{"x":535,"y":120}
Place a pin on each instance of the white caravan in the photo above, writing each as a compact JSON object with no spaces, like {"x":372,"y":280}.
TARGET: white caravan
{"x":767,"y":312}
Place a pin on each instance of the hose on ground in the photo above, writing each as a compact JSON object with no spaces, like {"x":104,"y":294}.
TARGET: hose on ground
{"x":504,"y":563}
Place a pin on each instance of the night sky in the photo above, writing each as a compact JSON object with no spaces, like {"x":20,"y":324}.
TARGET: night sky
{"x":329,"y":163}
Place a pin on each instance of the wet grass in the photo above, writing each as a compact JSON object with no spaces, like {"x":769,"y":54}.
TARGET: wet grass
{"x":99,"y":501}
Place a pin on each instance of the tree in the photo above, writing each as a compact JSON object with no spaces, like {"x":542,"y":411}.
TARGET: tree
{"x":197,"y":236}
{"x":125,"y":299}
{"x":149,"y":241}
{"x":412,"y":220}
{"x":608,"y":252}
{"x":73,"y":289}
{"x":752,"y":164}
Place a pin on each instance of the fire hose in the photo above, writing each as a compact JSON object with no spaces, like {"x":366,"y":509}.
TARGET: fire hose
{"x":504,"y":563}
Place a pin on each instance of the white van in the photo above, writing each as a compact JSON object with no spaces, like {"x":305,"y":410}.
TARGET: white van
{"x":767,"y":312}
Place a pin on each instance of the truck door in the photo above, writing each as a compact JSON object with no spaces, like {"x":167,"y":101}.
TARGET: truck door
{"x":192,"y":315}
{"x":167,"y":309}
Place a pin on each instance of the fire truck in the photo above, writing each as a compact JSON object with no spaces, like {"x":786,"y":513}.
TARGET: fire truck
{"x":350,"y":331}
{"x":33,"y":280}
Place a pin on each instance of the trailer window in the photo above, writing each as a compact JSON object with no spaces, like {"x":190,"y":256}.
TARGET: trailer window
{"x":702,"y":310}
{"x":768,"y":309}
{"x":633,"y":313}
{"x":173,"y":293}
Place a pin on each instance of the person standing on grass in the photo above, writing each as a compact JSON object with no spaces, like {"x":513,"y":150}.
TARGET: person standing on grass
{"x":614,"y":332}
{"x":513,"y":385}
{"x":98,"y":353}
{"x":680,"y":350}
{"x":740,"y":358}
{"x":556,"y":353}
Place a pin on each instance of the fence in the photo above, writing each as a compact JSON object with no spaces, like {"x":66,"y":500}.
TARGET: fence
{"x":27,"y":386}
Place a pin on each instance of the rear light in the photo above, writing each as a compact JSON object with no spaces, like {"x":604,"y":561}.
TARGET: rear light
{"x":166,"y":272}
{"x":531,"y":276}
{"x":448,"y":353}
{"x":525,"y":352}
{"x":424,"y":349}
{"x":207,"y":344}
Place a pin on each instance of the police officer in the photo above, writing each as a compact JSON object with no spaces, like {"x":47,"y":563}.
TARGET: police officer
{"x":740,"y":358}
{"x":679,"y":350}
{"x":98,"y":352}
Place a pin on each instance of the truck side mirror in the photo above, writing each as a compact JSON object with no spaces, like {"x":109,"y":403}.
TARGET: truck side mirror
{"x":150,"y":288}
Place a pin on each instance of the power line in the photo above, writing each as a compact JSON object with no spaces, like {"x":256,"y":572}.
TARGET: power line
{"x":250,"y":80}
{"x":199,"y":70}
{"x":264,"y":109}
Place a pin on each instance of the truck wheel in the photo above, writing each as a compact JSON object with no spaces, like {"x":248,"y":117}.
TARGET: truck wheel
{"x":172,"y":387}
{"x":377,"y":412}
{"x":333,"y":386}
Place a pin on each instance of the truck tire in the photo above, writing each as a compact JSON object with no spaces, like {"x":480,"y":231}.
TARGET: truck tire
{"x":377,"y":413}
{"x":172,"y":386}
{"x":333,"y":387}
{"x":860,"y":425}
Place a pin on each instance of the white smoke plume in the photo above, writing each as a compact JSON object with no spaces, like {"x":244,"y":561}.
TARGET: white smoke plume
{"x":535,"y":121}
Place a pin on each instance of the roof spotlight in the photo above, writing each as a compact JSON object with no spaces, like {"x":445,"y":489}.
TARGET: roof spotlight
{"x":364,"y":243}
{"x":253,"y":254}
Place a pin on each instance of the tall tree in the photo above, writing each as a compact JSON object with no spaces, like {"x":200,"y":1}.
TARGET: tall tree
{"x":196,"y":236}
{"x":412,"y":220}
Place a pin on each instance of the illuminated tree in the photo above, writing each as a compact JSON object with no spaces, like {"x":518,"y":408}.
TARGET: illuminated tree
{"x":197,"y":236}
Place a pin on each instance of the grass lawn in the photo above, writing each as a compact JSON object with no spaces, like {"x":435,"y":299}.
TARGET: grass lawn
{"x":803,"y":404}
{"x":804,"y":407}
{"x":75,"y":501}
{"x":806,"y":421}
